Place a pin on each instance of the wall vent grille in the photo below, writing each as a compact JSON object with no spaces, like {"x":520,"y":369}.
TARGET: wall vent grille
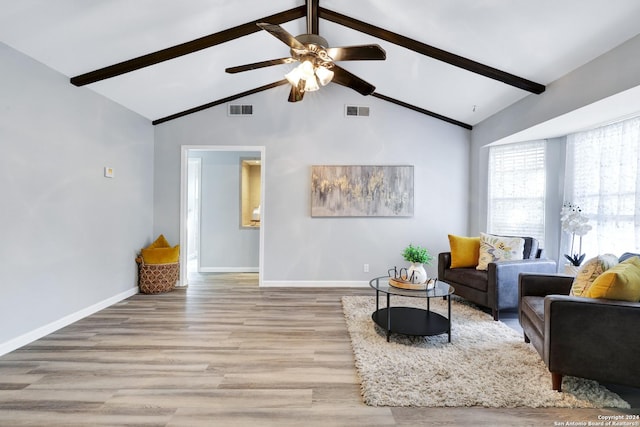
{"x":240,"y":110}
{"x":356,"y":111}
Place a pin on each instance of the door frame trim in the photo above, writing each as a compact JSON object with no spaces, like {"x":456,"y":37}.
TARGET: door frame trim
{"x":184,"y":163}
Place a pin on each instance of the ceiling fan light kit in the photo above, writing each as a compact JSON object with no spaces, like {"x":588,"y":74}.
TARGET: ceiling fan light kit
{"x":324,"y":75}
{"x":311,"y":75}
{"x":316,"y":62}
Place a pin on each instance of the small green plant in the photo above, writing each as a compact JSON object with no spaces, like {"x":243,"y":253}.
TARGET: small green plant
{"x":417,"y":254}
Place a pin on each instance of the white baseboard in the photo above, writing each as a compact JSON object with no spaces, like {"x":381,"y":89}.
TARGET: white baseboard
{"x":314,"y":284}
{"x":29,"y":337}
{"x":228,"y":270}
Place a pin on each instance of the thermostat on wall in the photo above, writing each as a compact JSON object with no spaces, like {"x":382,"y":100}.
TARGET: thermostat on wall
{"x":108,"y":172}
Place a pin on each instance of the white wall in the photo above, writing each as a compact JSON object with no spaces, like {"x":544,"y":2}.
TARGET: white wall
{"x":69,"y":235}
{"x":596,"y":82}
{"x":224,"y":244}
{"x":304,"y":250}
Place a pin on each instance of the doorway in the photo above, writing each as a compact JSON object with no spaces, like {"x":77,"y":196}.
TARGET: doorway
{"x":194,"y":176}
{"x":197,"y":214}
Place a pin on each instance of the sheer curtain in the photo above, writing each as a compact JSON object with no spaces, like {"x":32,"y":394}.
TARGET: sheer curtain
{"x":516,"y":205}
{"x":603,"y":179}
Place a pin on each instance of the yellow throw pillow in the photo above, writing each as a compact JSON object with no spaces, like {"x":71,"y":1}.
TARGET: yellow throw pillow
{"x":160,"y":242}
{"x":620,"y":282}
{"x":161,"y":255}
{"x":499,"y":248}
{"x":590,"y":271}
{"x":465,"y":251}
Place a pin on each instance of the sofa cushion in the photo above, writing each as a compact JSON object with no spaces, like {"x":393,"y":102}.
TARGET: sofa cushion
{"x":160,"y":252}
{"x":161,"y":255}
{"x":589,"y":271}
{"x":627,"y":255}
{"x":470,"y":277}
{"x":531,"y":247}
{"x":160,"y":242}
{"x":499,"y":248}
{"x":465,"y":251}
{"x":620,"y":282}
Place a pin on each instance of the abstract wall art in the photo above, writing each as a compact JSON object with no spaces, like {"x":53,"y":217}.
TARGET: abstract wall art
{"x":361,"y":191}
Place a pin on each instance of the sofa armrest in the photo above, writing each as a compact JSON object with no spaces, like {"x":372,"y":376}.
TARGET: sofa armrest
{"x":503,"y":278}
{"x":444,"y":263}
{"x":516,"y":267}
{"x":504,"y":274}
{"x":592,"y":338}
{"x":540,"y":285}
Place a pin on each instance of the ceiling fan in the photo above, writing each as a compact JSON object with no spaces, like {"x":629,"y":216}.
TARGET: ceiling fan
{"x":317,"y":62}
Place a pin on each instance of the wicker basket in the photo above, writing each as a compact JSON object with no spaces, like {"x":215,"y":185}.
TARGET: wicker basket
{"x":157,"y":278}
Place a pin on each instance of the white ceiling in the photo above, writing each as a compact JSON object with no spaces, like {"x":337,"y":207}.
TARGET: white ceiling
{"x":536,"y":40}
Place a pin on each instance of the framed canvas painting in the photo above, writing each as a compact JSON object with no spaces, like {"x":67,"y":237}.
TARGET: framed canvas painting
{"x":361,"y":191}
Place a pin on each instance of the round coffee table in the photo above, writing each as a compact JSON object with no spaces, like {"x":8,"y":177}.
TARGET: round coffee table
{"x":410,"y":320}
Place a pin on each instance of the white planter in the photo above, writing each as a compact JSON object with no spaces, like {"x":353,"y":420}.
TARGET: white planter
{"x":418,"y":271}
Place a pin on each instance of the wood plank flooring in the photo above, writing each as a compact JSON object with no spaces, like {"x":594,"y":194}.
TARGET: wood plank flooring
{"x":221,"y":352}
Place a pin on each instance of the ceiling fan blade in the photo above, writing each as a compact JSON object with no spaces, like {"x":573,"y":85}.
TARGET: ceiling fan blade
{"x":256,"y":65}
{"x":345,"y":78}
{"x":282,"y":34}
{"x":357,"y":53}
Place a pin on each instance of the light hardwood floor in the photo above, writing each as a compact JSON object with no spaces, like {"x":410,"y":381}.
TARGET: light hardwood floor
{"x":222,"y":352}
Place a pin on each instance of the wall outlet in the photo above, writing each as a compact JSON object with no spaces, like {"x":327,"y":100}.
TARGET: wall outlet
{"x":365,"y":268}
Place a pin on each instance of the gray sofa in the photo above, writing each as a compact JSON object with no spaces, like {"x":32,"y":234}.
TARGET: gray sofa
{"x":589,"y":338}
{"x":496,"y":287}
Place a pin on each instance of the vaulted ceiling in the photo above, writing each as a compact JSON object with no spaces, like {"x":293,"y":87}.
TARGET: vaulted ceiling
{"x":458,"y":60}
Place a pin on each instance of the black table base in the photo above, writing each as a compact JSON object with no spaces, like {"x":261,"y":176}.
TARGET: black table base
{"x":412,"y":321}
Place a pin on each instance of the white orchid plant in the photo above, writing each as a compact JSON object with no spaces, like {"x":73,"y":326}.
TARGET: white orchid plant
{"x":575,"y":223}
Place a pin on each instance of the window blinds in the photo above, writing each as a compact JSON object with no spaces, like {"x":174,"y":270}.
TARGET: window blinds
{"x":516,"y":205}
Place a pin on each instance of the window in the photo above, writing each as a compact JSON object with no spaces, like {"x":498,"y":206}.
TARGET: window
{"x":517,"y":190}
{"x":602,"y":178}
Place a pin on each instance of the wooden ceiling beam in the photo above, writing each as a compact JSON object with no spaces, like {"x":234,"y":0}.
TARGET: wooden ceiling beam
{"x":284,"y":82}
{"x":312,"y":16}
{"x":185,"y":48}
{"x":422,"y":110}
{"x":220,"y":101}
{"x":433,"y":52}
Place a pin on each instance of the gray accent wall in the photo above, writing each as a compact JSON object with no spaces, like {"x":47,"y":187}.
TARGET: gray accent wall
{"x":299,"y":249}
{"x":69,"y":235}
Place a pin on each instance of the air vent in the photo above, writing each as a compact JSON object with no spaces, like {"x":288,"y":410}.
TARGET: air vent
{"x":240,"y":110}
{"x":354,"y":110}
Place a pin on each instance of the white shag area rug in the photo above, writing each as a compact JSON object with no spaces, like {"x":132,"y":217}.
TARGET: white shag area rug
{"x":486,"y":364}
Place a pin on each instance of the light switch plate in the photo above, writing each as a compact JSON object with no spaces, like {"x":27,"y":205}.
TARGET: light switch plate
{"x":108,"y":172}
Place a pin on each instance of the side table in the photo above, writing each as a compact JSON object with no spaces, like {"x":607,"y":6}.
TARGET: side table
{"x":410,"y":320}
